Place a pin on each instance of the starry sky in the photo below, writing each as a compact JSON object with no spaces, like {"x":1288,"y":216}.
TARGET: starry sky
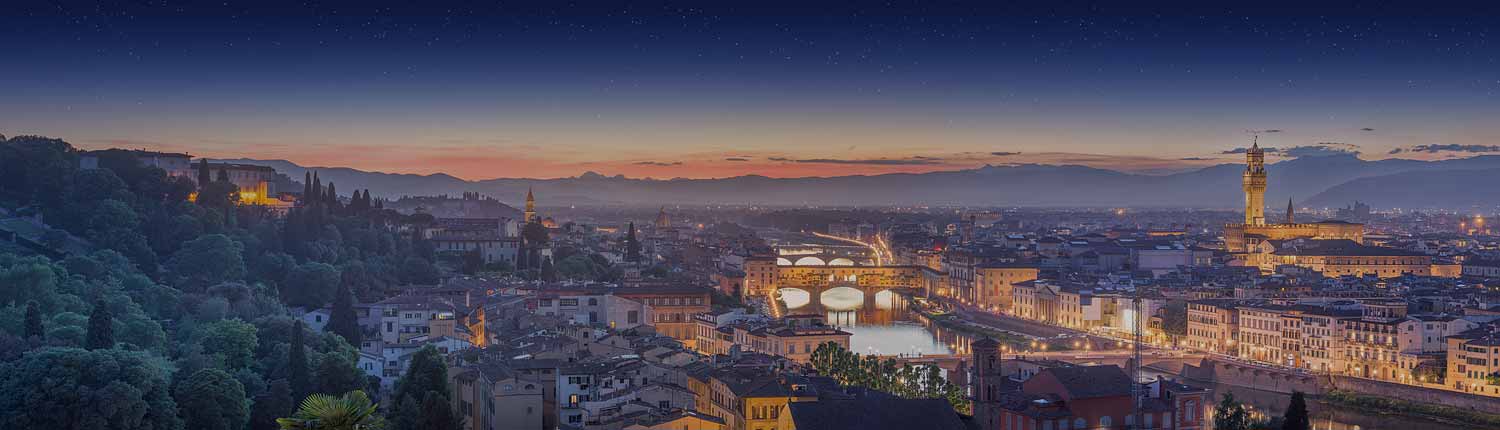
{"x":714,"y":89}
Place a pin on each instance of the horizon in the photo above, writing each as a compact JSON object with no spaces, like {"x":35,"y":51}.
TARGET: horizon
{"x":774,"y":90}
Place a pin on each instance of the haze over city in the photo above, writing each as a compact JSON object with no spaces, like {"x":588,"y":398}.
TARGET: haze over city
{"x":667,"y":215}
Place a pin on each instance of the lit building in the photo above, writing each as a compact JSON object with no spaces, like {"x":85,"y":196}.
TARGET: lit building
{"x":1241,"y":238}
{"x":1474,"y":361}
{"x":1213,"y":325}
{"x":1341,"y":257}
{"x":996,"y":282}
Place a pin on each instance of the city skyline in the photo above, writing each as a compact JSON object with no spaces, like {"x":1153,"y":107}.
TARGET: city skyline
{"x":668,"y":91}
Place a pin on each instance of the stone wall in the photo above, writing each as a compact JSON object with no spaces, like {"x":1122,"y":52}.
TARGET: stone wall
{"x":1237,"y":374}
{"x":1416,"y":394}
{"x":1253,"y":377}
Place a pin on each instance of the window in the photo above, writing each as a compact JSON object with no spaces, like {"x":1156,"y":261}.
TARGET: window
{"x":1105,"y":421}
{"x":1079,"y":424}
{"x":593,"y":302}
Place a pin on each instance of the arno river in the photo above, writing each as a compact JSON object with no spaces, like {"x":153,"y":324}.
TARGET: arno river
{"x":885,"y":325}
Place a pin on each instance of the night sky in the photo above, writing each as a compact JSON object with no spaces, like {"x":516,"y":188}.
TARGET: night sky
{"x":552,"y":89}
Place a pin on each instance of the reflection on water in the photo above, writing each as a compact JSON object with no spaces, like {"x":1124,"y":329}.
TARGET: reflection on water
{"x":880,"y":324}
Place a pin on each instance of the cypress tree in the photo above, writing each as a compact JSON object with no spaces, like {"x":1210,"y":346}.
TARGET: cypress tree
{"x":306,"y":185}
{"x":333,"y":196}
{"x":1296,"y":417}
{"x":275,"y":402}
{"x":34,"y":327}
{"x":437,"y":413}
{"x":203,"y":174}
{"x":101,"y":333}
{"x":317,"y":189}
{"x":297,"y":373}
{"x":342,"y":320}
{"x":223,"y":174}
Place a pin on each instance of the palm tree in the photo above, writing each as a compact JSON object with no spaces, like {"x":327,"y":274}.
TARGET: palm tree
{"x":352,"y":411}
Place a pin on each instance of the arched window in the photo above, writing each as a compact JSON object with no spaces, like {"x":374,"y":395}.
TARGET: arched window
{"x":1105,"y":422}
{"x":1079,"y":424}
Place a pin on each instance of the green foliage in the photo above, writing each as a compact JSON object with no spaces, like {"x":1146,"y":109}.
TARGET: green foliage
{"x":1230,"y":414}
{"x":69,"y":388}
{"x":342,"y":320}
{"x":352,"y":411}
{"x":872,"y":372}
{"x":1296,"y":417}
{"x":338,"y":373}
{"x":34,"y":329}
{"x":426,"y":373}
{"x":311,"y":285}
{"x":212,"y":400}
{"x":1386,"y":405}
{"x":297,"y":370}
{"x":101,"y":334}
{"x":234,"y":341}
{"x":437,"y":413}
{"x":275,"y":402}
{"x":205,"y":261}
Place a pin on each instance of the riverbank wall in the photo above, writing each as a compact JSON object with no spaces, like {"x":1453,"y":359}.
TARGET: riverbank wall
{"x":1215,"y":371}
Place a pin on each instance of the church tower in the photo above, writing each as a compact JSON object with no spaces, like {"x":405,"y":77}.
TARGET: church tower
{"x":1255,"y":185}
{"x":987,"y":378}
{"x":1290,"y":210}
{"x":530,"y":206}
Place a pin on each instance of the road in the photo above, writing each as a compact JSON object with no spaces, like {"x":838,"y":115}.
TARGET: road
{"x":880,"y":258}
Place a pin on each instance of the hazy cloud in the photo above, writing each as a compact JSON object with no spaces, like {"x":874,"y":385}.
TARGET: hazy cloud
{"x":1319,"y":149}
{"x":1242,"y":150}
{"x":1004,"y":153}
{"x":874,"y":161}
{"x":1195,"y":158}
{"x":657,"y":163}
{"x":736,"y":159}
{"x":1366,"y":129}
{"x":1435,"y":148}
{"x":779,"y":159}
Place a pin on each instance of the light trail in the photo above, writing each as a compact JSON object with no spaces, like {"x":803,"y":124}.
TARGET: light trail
{"x":879,"y":259}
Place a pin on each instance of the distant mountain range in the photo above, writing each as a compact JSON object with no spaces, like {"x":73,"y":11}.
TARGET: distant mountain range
{"x":1321,"y":181}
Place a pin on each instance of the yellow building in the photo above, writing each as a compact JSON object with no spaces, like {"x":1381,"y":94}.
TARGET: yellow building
{"x":1241,"y":238}
{"x":749,"y":399}
{"x":1335,"y":258}
{"x":1474,"y":362}
{"x":997,"y":282}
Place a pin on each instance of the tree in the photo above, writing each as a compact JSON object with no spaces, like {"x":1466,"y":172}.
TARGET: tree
{"x":203,"y":173}
{"x":311,"y":285}
{"x":208,"y":260}
{"x":427,"y":372}
{"x":101,"y":334}
{"x":34,"y":329}
{"x":352,"y":411}
{"x":632,"y":246}
{"x":1230,"y":414}
{"x":212,"y":400}
{"x":337,"y":373}
{"x":297,"y":370}
{"x":70,"y":388}
{"x":342,"y":320}
{"x":234,"y":340}
{"x":275,"y":402}
{"x":549,"y":272}
{"x":1296,"y":417}
{"x":437,"y":413}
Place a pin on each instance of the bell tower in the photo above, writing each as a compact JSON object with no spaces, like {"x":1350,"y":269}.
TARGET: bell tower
{"x":530,"y":206}
{"x":986,"y":382}
{"x":1255,"y":185}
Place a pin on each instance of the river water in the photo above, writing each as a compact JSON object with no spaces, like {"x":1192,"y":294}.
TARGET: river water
{"x":885,"y":325}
